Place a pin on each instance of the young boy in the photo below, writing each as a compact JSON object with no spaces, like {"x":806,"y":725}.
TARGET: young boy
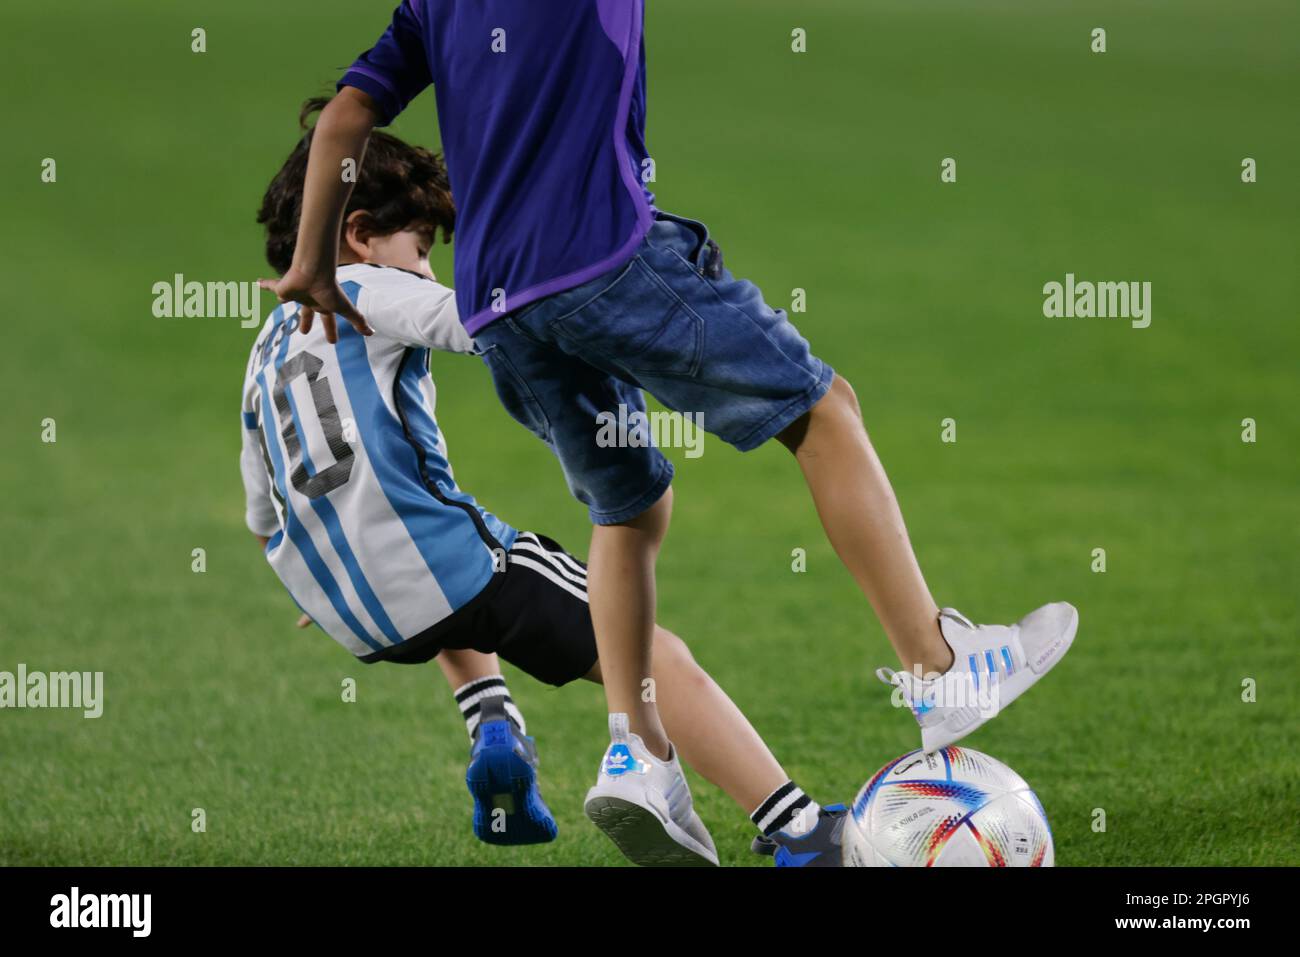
{"x":350,"y":490}
{"x":581,"y":293}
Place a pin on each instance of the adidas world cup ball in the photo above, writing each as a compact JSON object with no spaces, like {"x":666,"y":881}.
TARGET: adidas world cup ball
{"x":952,"y":808}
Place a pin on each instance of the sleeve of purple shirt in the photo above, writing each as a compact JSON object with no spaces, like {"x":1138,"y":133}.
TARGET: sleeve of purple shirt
{"x":396,"y":69}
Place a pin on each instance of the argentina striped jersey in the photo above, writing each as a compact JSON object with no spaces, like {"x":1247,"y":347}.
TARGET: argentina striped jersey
{"x":346,"y":472}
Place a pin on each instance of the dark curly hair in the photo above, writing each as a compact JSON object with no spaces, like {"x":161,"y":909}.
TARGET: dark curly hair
{"x":399,"y":186}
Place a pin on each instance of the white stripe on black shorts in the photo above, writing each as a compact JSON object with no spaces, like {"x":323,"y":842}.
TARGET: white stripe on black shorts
{"x":534,"y":615}
{"x":548,"y":559}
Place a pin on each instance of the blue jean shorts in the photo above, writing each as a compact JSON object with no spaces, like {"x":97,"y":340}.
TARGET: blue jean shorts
{"x":672,"y":321}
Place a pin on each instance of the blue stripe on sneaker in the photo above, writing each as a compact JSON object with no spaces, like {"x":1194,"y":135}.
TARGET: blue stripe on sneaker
{"x":788,"y":858}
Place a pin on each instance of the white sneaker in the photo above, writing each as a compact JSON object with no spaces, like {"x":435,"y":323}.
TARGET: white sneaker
{"x":993,"y":665}
{"x":644,"y":805}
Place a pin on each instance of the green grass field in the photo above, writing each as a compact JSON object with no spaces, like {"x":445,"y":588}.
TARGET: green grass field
{"x":818,"y":171}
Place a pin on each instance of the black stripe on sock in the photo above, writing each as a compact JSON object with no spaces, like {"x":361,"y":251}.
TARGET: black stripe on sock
{"x":773,"y":799}
{"x":481,"y":685}
{"x":786,"y":816}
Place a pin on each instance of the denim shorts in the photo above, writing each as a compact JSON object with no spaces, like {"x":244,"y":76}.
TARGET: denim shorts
{"x":672,"y":321}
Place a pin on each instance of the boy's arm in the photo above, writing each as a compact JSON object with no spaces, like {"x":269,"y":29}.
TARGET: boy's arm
{"x":371,"y":93}
{"x":259,"y":511}
{"x":438,"y":321}
{"x":259,"y":514}
{"x":341,"y":134}
{"x":304,"y":619}
{"x":417,"y":312}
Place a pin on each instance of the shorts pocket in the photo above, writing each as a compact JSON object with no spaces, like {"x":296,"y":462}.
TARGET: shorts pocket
{"x":637,"y":324}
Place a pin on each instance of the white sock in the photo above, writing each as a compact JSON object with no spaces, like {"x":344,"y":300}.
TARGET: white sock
{"x":469,"y":695}
{"x":786,"y":809}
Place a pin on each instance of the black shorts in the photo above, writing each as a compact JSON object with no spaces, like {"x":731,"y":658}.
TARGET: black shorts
{"x":533,"y":614}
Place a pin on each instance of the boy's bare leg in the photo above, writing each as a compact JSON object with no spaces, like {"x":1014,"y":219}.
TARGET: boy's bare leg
{"x":621,"y":593}
{"x":712,"y":734}
{"x":865,"y":526}
{"x":462,"y":667}
{"x":473,"y":678}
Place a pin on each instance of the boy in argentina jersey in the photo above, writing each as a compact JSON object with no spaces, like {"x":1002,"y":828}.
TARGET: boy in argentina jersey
{"x":351,"y":493}
{"x":583,"y":295}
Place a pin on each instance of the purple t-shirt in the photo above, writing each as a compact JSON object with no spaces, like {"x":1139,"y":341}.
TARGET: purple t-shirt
{"x":542,"y":109}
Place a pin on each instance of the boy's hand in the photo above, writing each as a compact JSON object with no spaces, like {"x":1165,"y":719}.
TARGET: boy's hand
{"x":304,"y":621}
{"x":318,"y":296}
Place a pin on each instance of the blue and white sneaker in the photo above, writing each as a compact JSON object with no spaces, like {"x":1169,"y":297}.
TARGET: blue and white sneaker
{"x":823,"y":846}
{"x":502,"y":778}
{"x":644,"y":805}
{"x":993,"y":665}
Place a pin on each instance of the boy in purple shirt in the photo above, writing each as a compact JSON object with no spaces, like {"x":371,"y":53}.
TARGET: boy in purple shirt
{"x":580,"y":294}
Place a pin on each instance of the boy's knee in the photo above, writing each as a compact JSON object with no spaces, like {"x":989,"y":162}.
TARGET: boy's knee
{"x":657,"y":516}
{"x":648,"y":529}
{"x":841,"y":399}
{"x":671,"y":650}
{"x":673,"y":658}
{"x":839,"y":404}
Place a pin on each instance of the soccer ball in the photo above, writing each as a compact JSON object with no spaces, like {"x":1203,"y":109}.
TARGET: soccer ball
{"x":952,"y":808}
